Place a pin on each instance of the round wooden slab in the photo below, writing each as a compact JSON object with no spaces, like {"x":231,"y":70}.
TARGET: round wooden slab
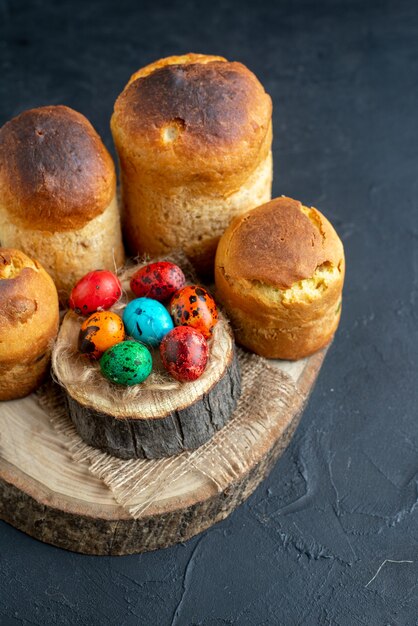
{"x":46,"y":494}
{"x":159,"y":418}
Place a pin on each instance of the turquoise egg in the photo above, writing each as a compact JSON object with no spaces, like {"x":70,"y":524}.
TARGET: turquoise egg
{"x":126,"y":363}
{"x":147,"y":321}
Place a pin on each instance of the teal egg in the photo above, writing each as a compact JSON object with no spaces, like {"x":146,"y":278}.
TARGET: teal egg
{"x":126,"y":363}
{"x":147,"y":321}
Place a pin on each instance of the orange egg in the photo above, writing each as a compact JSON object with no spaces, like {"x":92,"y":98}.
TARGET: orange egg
{"x":194,"y":306}
{"x":100,"y":331}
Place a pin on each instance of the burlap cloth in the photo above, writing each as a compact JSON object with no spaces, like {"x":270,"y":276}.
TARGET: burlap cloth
{"x":266,"y":394}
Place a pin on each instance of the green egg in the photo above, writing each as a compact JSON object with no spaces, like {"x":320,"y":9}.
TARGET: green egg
{"x":126,"y":363}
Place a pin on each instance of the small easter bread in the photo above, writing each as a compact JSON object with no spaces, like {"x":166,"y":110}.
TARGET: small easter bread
{"x":279,"y":273}
{"x":28,"y":323}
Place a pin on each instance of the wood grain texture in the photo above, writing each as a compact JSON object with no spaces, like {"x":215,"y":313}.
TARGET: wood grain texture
{"x":45,"y":494}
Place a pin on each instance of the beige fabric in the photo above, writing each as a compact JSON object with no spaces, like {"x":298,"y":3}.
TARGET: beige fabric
{"x":266,"y":394}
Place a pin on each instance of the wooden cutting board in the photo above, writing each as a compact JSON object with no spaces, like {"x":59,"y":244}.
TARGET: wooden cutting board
{"x":46,"y":494}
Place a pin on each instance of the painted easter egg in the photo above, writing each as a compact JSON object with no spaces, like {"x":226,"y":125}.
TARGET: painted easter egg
{"x":147,"y":321}
{"x":96,"y":291}
{"x":127,"y":363}
{"x":99,"y":332}
{"x":158,"y":281}
{"x":194,"y":306}
{"x":184,"y":353}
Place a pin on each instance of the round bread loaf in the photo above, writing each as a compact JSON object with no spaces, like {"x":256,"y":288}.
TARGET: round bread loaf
{"x":58,"y":194}
{"x":279,"y":273}
{"x":193,"y":134}
{"x":28,"y":323}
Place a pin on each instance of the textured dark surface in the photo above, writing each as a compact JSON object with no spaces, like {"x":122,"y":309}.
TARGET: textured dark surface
{"x":306,"y":547}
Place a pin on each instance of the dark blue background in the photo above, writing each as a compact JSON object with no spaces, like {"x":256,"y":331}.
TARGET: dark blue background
{"x":342,"y":499}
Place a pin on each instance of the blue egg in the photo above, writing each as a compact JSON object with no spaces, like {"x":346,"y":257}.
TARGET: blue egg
{"x":147,"y":321}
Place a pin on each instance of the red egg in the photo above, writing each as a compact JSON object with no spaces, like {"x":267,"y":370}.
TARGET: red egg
{"x":157,"y":280}
{"x":96,"y":291}
{"x":184,"y":353}
{"x":194,"y":306}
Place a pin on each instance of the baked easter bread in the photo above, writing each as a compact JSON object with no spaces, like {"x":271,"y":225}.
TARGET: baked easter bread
{"x":193,"y":134}
{"x":279,"y":273}
{"x":58,"y":194}
{"x":28,"y":323}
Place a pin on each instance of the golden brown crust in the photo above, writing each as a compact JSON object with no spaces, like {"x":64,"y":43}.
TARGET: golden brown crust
{"x":183,"y":59}
{"x":279,"y":272}
{"x":28,"y":322}
{"x":55,"y":172}
{"x":278,"y":244}
{"x":195,"y":121}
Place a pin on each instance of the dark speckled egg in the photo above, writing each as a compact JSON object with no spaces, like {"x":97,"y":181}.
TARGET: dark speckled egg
{"x":194,"y":306}
{"x":184,"y":353}
{"x":157,"y":280}
{"x":127,"y":363}
{"x":100,"y":331}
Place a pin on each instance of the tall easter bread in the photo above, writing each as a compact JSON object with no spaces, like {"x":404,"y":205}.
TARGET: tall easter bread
{"x":193,"y":134}
{"x":58,"y":194}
